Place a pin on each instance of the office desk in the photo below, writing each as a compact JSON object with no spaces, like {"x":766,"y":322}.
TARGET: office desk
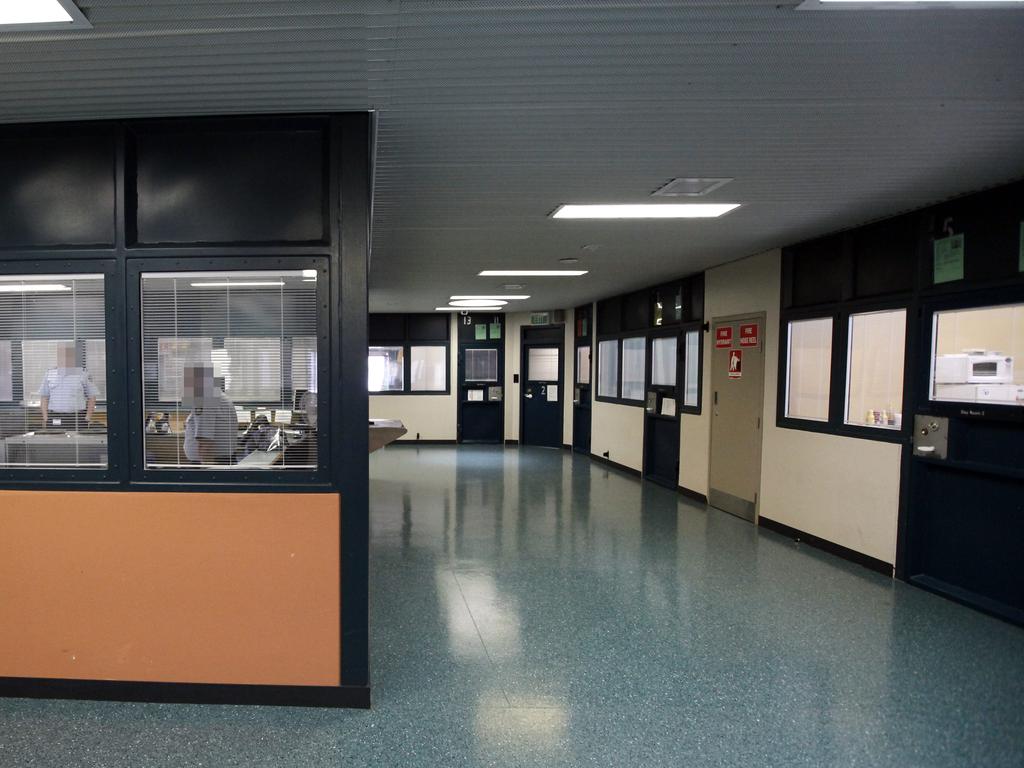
{"x":385,"y":431}
{"x":39,"y":449}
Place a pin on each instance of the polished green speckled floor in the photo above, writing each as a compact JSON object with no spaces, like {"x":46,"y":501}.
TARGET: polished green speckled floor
{"x":530,"y":608}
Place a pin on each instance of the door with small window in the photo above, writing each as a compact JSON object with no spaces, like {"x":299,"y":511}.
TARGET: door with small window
{"x":661,"y":417}
{"x":541,"y":389}
{"x":965,"y":522}
{"x":481,"y":409}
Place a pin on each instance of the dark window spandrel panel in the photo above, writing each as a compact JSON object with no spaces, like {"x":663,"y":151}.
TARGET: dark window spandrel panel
{"x":57,"y":190}
{"x":230,"y":187}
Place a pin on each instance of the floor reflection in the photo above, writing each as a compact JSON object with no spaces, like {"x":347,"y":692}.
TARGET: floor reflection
{"x":579,"y":609}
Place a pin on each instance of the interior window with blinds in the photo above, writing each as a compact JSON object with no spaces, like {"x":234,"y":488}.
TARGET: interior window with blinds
{"x":230,"y":370}
{"x":481,"y":365}
{"x":608,"y":368}
{"x":663,"y":361}
{"x":53,"y":372}
{"x":634,"y":360}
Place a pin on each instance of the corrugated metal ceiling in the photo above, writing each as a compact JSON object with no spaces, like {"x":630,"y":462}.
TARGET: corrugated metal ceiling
{"x":493,"y":113}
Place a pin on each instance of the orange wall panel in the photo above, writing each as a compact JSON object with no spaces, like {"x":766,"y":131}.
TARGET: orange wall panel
{"x":170,"y":587}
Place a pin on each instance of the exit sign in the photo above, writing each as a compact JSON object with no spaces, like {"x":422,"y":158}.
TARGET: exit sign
{"x":540,"y":318}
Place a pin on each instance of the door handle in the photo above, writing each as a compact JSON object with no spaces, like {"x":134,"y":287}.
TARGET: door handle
{"x":529,"y":395}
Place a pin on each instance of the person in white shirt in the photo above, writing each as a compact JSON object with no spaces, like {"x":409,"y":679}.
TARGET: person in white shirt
{"x":211,"y":429}
{"x":67,"y":397}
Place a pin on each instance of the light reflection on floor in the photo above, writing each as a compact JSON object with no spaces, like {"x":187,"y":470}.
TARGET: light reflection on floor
{"x":532,"y":608}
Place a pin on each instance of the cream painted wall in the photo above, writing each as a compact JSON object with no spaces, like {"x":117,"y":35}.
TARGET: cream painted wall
{"x":514,"y":321}
{"x":619,"y":430}
{"x":841,"y":489}
{"x":742,"y":287}
{"x":432,"y":416}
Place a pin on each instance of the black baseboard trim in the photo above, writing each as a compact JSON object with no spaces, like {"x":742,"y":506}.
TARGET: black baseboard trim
{"x":871,"y":563}
{"x":422,"y":442}
{"x":566,"y":447}
{"x":616,"y":465}
{"x":511,"y":441}
{"x":971,"y":599}
{"x":699,"y":497}
{"x":351,"y":696}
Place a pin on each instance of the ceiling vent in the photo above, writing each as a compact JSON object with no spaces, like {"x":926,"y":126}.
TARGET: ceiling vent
{"x":689,"y":187}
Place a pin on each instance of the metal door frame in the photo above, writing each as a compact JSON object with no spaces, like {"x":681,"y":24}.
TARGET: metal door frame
{"x":524,"y":377}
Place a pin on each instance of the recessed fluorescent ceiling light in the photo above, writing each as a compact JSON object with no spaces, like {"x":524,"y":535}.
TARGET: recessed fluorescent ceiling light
{"x":34,"y":288}
{"x":477,"y":303}
{"x":253,"y":284}
{"x":41,"y":14}
{"x":644,"y":211}
{"x":466,"y":309}
{"x":507,"y":298}
{"x":533,"y":272}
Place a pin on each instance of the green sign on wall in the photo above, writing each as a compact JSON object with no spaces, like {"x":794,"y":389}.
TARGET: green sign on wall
{"x":948,"y":259}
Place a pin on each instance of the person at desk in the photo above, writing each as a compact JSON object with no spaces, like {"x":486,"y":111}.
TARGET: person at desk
{"x":211,"y":429}
{"x":67,"y":397}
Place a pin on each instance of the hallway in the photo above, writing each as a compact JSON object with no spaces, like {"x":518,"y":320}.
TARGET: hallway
{"x":533,"y":608}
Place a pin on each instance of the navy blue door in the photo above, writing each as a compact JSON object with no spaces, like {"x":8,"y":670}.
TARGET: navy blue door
{"x":965,"y":521}
{"x":542,"y":395}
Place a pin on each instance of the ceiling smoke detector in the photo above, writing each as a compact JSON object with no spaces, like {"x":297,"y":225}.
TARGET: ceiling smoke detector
{"x":689,"y":187}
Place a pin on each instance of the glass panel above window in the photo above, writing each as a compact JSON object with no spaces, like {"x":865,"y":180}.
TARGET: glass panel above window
{"x":976,"y":355}
{"x":429,"y":369}
{"x":385,"y":369}
{"x":663,"y":361}
{"x":874,"y":378}
{"x":52,"y":354}
{"x":809,"y":367}
{"x":229,"y":370}
{"x":634,"y":361}
{"x":583,"y":364}
{"x":542,"y":364}
{"x":691,"y":375}
{"x":608,"y":368}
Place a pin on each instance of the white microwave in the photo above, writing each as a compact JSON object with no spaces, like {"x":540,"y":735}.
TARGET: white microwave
{"x":974,"y":368}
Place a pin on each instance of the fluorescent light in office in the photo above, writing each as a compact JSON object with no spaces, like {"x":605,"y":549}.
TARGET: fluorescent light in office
{"x":507,"y":298}
{"x":467,"y":309}
{"x":242,"y":284}
{"x":645,"y":211}
{"x":33,"y":12}
{"x":34,"y":288}
{"x":533,"y":272}
{"x":477,"y":303}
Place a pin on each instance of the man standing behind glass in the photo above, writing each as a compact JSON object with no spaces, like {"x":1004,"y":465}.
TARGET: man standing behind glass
{"x":211,"y":429}
{"x":67,"y":397}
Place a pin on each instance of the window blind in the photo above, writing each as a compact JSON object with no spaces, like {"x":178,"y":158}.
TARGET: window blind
{"x":52,"y":354}
{"x":230,"y":369}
